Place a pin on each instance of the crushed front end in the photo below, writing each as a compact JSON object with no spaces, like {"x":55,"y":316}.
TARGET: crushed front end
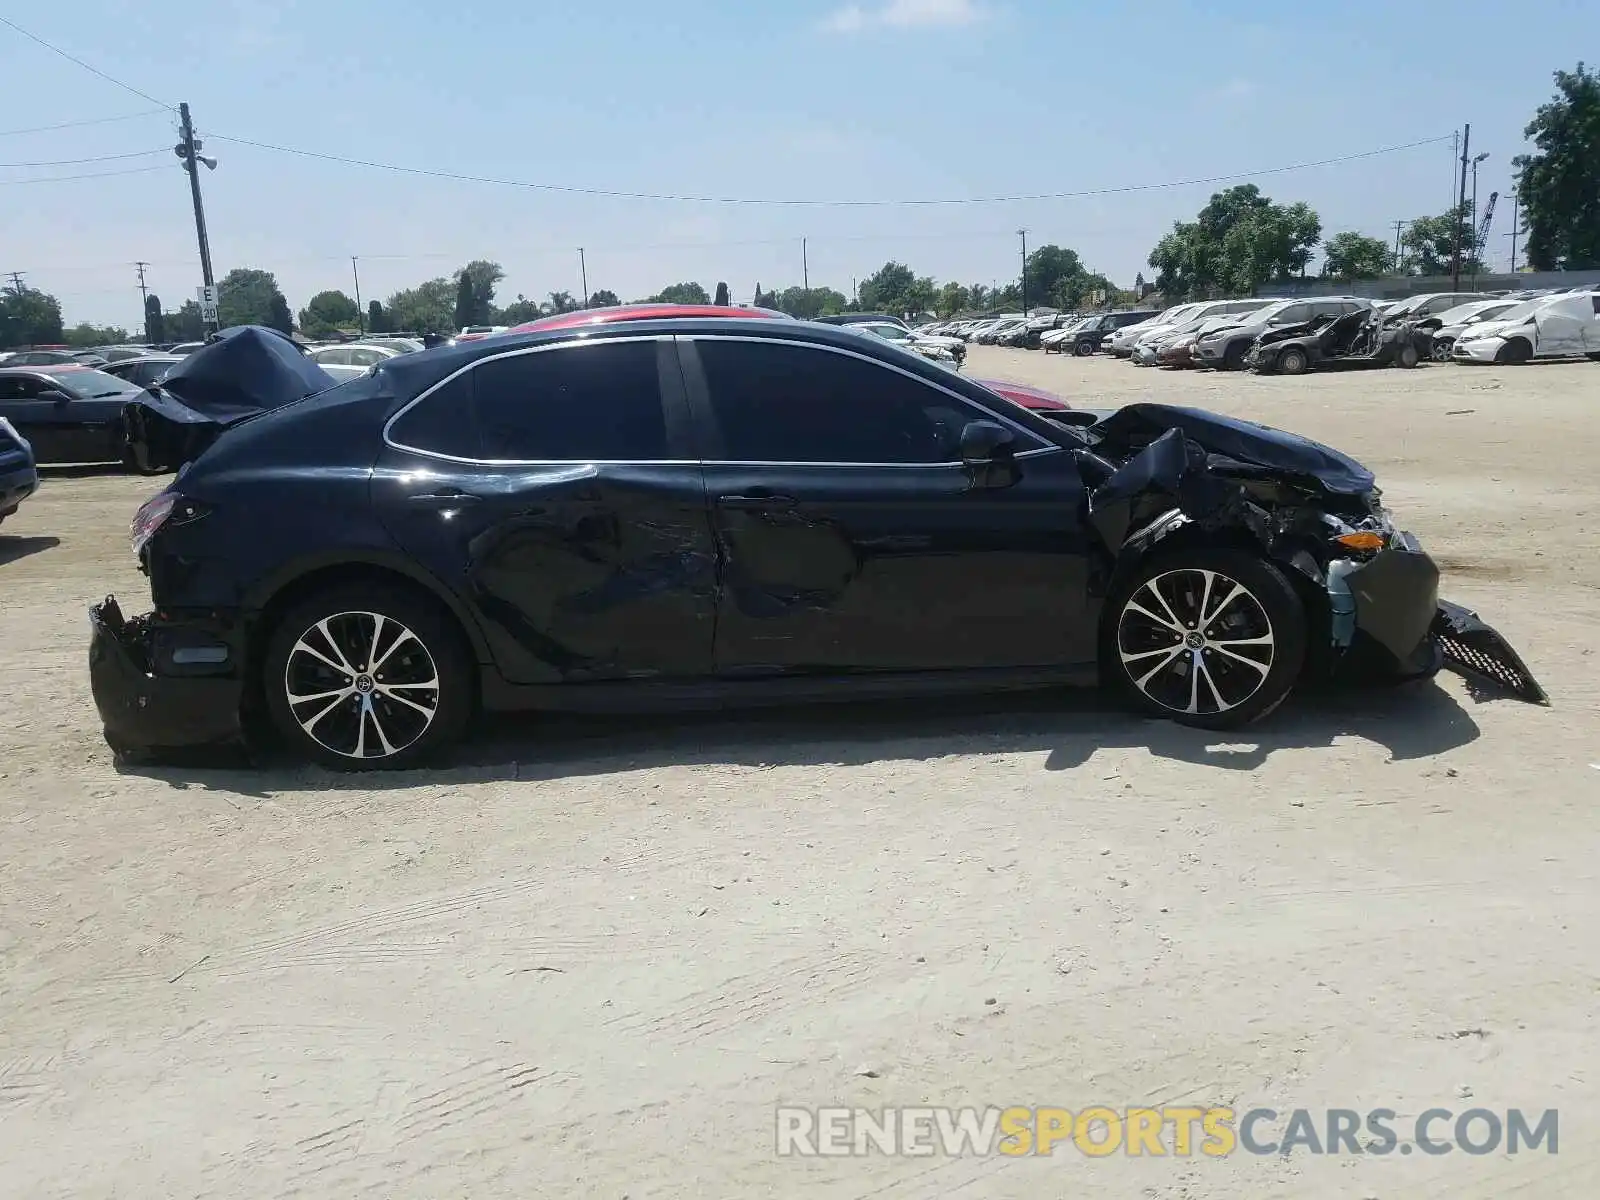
{"x":1314,"y":512}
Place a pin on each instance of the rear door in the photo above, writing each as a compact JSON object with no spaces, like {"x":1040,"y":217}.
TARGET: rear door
{"x":555,"y":487}
{"x":852,"y":538}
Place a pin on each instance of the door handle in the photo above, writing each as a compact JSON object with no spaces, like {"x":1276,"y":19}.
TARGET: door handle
{"x":446,"y":497}
{"x":757,"y":501}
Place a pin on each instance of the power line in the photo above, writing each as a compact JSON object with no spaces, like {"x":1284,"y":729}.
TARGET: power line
{"x":149,"y":112}
{"x":76,"y":162}
{"x":70,"y":178}
{"x":72,"y":58}
{"x":796,"y":203}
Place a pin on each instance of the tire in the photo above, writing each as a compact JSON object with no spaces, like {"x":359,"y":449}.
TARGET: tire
{"x":1293,"y":361}
{"x":1515,"y":353}
{"x":1443,"y":351}
{"x":1233,"y":356}
{"x":356,"y":708}
{"x":1246,"y":677}
{"x":1083,"y":349}
{"x":1593,"y":356}
{"x":1408,"y":356}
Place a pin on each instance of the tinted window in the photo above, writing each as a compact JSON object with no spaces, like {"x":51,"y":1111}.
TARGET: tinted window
{"x":582,"y":403}
{"x":786,"y":403}
{"x":1294,"y":314}
{"x":442,"y":423}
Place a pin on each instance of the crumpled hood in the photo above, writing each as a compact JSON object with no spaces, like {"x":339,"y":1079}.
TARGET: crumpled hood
{"x":1297,"y":459}
{"x":246,"y":370}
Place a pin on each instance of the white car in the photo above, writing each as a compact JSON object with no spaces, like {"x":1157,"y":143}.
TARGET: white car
{"x":1122,"y":342}
{"x":352,"y":354}
{"x":1563,"y":326}
{"x":896,"y":335}
{"x":1185,"y":319}
{"x":1453,"y":322}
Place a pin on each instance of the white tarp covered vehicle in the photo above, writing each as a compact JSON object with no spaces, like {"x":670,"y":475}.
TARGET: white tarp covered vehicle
{"x":1563,"y":326}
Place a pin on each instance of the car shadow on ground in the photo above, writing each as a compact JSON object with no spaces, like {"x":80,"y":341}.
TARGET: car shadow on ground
{"x":80,"y":470}
{"x":1412,"y":722}
{"x":13,"y":548}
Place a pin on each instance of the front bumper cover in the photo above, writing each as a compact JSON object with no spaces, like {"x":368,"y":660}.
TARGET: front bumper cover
{"x":160,"y":684}
{"x":1478,"y":652}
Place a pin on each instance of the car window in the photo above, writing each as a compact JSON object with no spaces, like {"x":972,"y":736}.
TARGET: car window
{"x":442,"y":422}
{"x":1293,"y":314}
{"x":776,"y":402}
{"x":583,"y":403}
{"x":14,"y":387}
{"x":365,"y":357}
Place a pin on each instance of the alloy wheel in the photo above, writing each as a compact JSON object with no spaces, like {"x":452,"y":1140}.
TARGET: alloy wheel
{"x":361,"y":685}
{"x":1195,"y":642}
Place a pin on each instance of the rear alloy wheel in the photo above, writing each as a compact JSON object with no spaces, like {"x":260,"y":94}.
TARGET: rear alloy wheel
{"x":1083,"y":349}
{"x":1213,"y":638}
{"x":1293,"y":361}
{"x":366,"y":678}
{"x":1516,"y":352}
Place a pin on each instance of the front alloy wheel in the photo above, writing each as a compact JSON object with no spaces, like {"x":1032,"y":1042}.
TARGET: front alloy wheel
{"x":1209,"y":638}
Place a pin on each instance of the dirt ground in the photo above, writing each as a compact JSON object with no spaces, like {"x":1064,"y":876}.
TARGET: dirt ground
{"x":591,"y":960}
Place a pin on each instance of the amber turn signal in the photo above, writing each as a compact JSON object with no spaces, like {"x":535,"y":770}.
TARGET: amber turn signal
{"x":1364,"y":541}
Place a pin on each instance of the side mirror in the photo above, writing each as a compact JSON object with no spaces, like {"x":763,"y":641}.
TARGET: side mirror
{"x":55,"y":396}
{"x":984,"y":441}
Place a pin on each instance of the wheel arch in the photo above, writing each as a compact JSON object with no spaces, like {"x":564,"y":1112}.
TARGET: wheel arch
{"x":288,"y":587}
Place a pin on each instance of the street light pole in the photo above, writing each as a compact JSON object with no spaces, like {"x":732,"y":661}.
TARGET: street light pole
{"x":583,"y":271}
{"x":1473,"y":227}
{"x":187,"y":149}
{"x":1461,"y":204}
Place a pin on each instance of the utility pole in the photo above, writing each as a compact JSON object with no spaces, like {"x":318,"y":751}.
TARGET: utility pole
{"x":1398,"y":226}
{"x":361,"y":313}
{"x":144,"y":292}
{"x":187,"y":150}
{"x":583,"y":270}
{"x":1473,"y":227}
{"x":1023,"y":234}
{"x":805,"y":267}
{"x":1516,"y":228}
{"x":1460,"y":211}
{"x":16,"y":281}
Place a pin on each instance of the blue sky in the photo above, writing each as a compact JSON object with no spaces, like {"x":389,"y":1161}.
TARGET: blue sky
{"x":870,"y":100}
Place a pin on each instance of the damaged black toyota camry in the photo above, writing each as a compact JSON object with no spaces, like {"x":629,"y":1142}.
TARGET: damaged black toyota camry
{"x":714,"y":512}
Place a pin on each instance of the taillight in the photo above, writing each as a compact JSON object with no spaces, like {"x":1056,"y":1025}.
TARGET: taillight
{"x":152,"y":515}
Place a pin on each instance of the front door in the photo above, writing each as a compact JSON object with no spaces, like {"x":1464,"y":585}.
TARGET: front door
{"x":553,"y":487}
{"x":852,"y":538}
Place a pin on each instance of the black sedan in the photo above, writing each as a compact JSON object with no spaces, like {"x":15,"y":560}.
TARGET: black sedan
{"x":661,"y":513}
{"x":70,"y":414}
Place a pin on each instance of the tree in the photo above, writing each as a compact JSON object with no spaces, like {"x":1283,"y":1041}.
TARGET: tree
{"x":807,"y":303}
{"x":1056,"y":277}
{"x":1237,"y":242}
{"x":603,"y":299}
{"x":722,"y":295}
{"x":1350,"y":256}
{"x":29,"y":317}
{"x":245,"y":296}
{"x":951,"y":300}
{"x":682,"y":293}
{"x":85,"y":334}
{"x":155,"y":325}
{"x":278,"y":315}
{"x":978,"y":296}
{"x":187,"y":325}
{"x":1559,"y":187}
{"x":475,"y":284}
{"x":327,"y":313}
{"x":888,"y":289}
{"x":562,"y":302}
{"x":519,"y":311}
{"x":377,"y":319}
{"x":1430,"y":243}
{"x":427,"y":308}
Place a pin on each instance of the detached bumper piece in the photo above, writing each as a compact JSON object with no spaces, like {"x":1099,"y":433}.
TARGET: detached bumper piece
{"x":161,"y":685}
{"x":1474,"y":649}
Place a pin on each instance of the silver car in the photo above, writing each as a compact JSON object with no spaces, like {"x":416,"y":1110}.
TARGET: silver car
{"x":1225,"y":348}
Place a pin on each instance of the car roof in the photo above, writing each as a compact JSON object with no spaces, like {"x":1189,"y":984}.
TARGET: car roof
{"x":641,"y":312}
{"x":47,"y":369}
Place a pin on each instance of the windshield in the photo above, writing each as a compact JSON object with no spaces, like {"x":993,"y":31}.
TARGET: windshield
{"x":90,"y":385}
{"x":1173,"y":316}
{"x":890,"y":333}
{"x":1486,"y":312}
{"x":1526,"y":309}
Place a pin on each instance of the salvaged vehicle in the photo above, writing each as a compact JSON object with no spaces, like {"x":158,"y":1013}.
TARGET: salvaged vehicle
{"x":241,"y":373}
{"x":1559,"y":326}
{"x":1357,"y":339}
{"x":719,"y":512}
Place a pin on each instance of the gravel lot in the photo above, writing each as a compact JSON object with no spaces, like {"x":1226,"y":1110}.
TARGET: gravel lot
{"x":592,"y":959}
